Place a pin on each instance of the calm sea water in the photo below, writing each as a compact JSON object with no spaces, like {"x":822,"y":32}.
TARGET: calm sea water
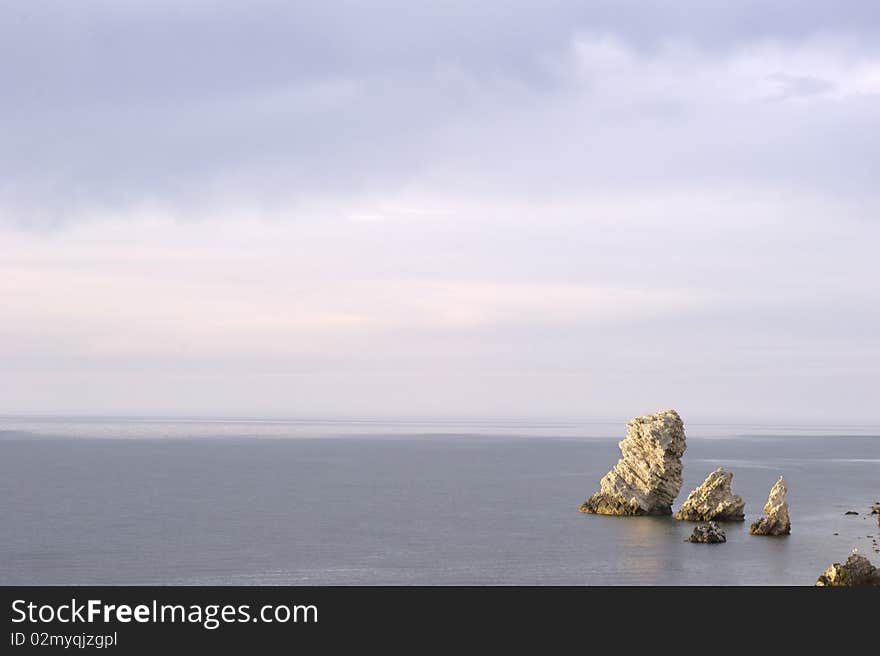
{"x":313,"y":503}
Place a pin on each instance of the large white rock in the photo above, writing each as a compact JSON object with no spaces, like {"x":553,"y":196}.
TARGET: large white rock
{"x":647,"y":478}
{"x":776,"y":520}
{"x":713,"y":499}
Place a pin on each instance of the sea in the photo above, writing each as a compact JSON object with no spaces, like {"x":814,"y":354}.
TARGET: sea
{"x":120,"y":501}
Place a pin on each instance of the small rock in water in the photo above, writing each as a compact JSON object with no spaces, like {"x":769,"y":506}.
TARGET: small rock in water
{"x":776,"y":520}
{"x":857,"y":571}
{"x":709,"y":533}
{"x":713,"y":499}
{"x":850,"y":512}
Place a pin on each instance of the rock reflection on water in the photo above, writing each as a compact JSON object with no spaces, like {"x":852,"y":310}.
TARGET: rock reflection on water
{"x":649,"y":549}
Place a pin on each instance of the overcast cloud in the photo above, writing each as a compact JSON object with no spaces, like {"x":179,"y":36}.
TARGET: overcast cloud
{"x":446,"y":208}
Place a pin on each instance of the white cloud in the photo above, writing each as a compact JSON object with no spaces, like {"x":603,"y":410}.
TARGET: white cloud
{"x":582,"y":223}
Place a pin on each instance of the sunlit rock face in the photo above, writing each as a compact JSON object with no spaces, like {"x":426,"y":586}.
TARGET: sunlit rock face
{"x":709,"y":533}
{"x":857,"y":570}
{"x":647,"y":478}
{"x":713,"y":500}
{"x":776,"y":520}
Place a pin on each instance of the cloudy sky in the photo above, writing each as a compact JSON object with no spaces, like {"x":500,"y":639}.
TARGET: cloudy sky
{"x":546,"y":209}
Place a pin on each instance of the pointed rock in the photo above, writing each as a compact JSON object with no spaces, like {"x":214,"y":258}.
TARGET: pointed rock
{"x":709,"y":533}
{"x":776,"y":520}
{"x":713,"y":499}
{"x":647,"y":478}
{"x":858,"y":570}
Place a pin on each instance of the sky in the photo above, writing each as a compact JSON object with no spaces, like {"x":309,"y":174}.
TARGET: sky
{"x":405,"y":208}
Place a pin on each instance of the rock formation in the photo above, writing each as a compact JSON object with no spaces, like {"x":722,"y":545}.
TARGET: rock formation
{"x":858,"y":570}
{"x":647,"y":478}
{"x":713,"y":500}
{"x":776,"y":520}
{"x":707,"y":534}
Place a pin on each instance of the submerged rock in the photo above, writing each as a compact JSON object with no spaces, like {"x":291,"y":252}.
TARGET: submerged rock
{"x":713,"y":499}
{"x":647,"y":478}
{"x":709,"y":533}
{"x":776,"y":520}
{"x":858,"y":570}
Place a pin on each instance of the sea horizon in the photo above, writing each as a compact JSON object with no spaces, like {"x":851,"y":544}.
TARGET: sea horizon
{"x":279,"y":427}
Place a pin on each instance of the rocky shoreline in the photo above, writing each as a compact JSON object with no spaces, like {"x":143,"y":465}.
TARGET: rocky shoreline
{"x":857,"y":571}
